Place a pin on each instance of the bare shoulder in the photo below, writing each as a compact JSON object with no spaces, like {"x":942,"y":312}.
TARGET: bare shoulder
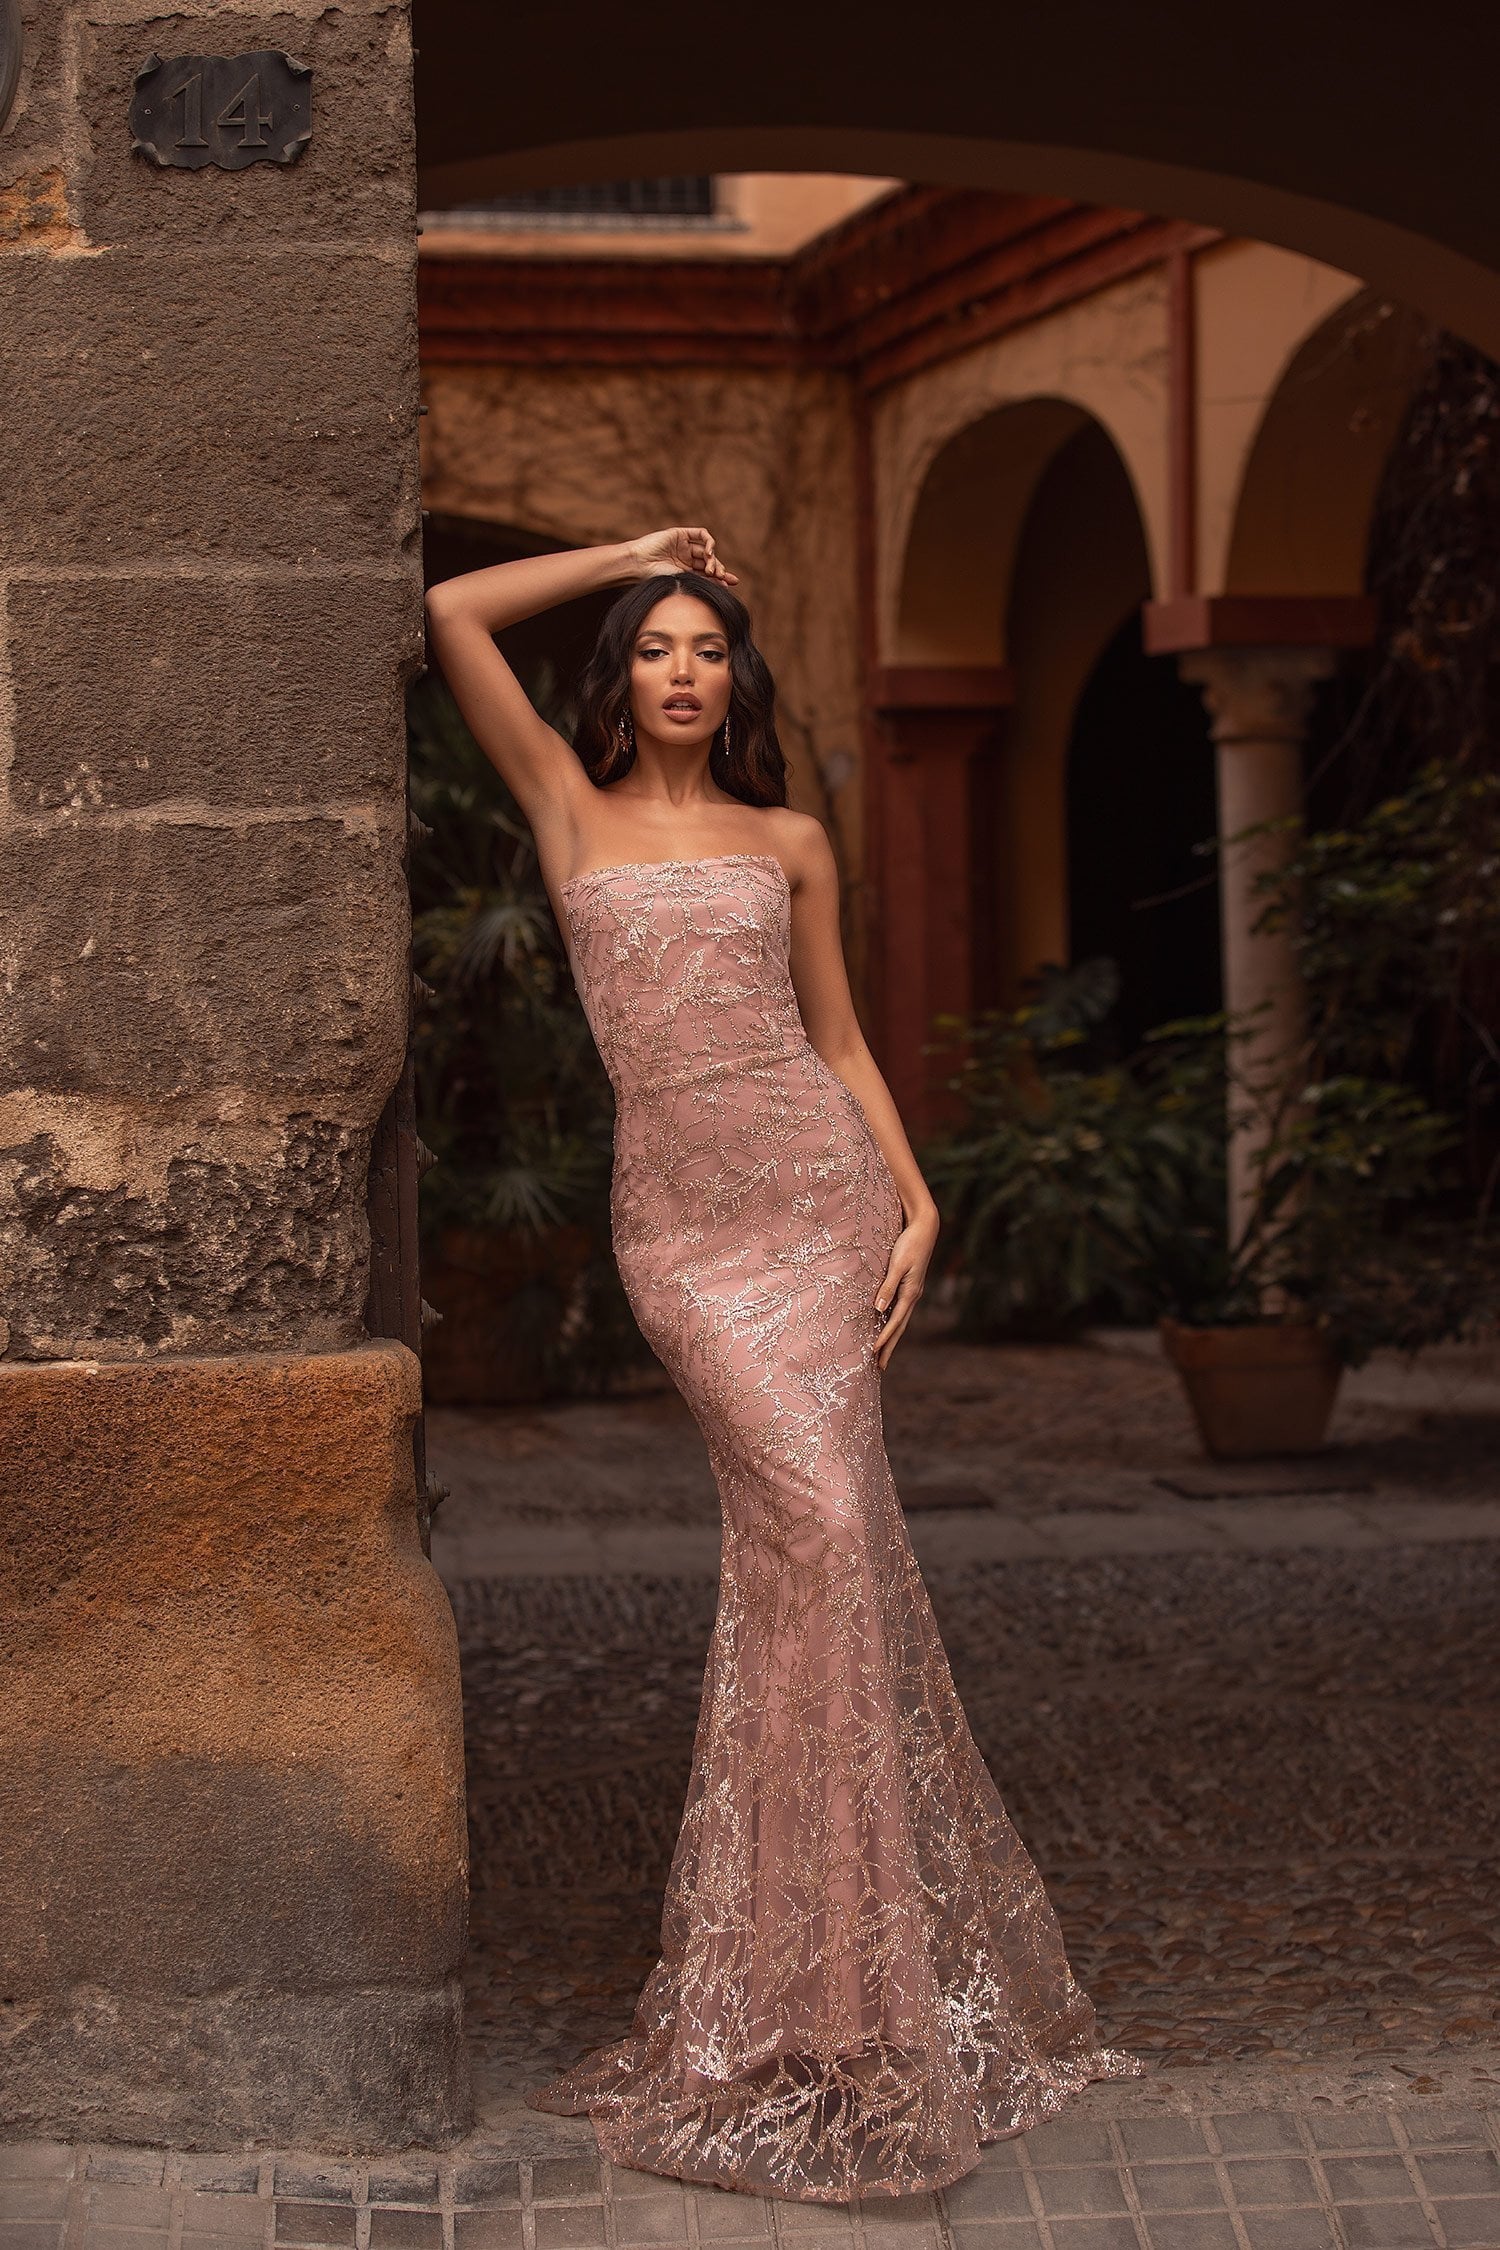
{"x":801,"y":843}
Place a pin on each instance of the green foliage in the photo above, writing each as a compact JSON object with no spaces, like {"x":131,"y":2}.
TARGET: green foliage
{"x":1075,"y":1192}
{"x":511,"y":1095}
{"x":1391,"y":916}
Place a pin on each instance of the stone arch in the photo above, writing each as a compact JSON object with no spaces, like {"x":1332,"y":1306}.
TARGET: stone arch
{"x":1089,"y":103}
{"x":958,"y":458}
{"x":952,"y":595}
{"x":1081,"y":570}
{"x":1301,"y":517}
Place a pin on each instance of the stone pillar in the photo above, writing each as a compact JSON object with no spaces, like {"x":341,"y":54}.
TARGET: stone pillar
{"x":230,"y":1708}
{"x":1257,"y":700}
{"x":940,"y":733}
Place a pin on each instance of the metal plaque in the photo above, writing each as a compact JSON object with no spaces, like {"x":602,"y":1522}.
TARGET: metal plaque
{"x":229,"y":110}
{"x":10,"y":54}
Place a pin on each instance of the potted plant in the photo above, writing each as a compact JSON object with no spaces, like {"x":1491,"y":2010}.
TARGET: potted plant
{"x":1370,"y":1221}
{"x":1080,"y":1188}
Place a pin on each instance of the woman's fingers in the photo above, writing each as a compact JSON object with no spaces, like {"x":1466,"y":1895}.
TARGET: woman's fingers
{"x":897,"y":1298}
{"x":703,"y":555}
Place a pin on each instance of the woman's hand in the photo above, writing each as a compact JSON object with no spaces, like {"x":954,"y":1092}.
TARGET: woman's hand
{"x":905,"y":1279}
{"x":686,"y":547}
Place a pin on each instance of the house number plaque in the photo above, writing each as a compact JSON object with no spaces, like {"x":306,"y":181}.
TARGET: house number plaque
{"x":228,"y":110}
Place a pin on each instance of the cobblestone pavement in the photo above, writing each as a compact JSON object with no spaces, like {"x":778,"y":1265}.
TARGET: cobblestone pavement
{"x":1260,"y":1785}
{"x":1250,"y":1741}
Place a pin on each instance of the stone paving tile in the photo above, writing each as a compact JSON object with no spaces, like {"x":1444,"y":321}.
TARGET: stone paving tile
{"x":1153,"y":2137}
{"x":389,"y":2182}
{"x":487,"y":2230}
{"x":1386,"y":2226}
{"x":311,"y":2182}
{"x":569,"y":2226}
{"x":103,"y":2235}
{"x":1177,"y":2187}
{"x":241,"y":2218}
{"x":486,"y":2179}
{"x":1070,"y":2140}
{"x":1349,"y":2129}
{"x":1463,"y":2172}
{"x":220,"y":2175}
{"x":1471,"y":2226}
{"x":34,"y":2199}
{"x":37,"y":2160}
{"x":650,"y":2219}
{"x":113,"y":2202}
{"x":1272,"y":2180}
{"x":406,"y":2230}
{"x":143,"y":2166}
{"x":1288,"y":2230}
{"x":1094,"y":2234}
{"x":568,"y":2179}
{"x":1016,"y":2235}
{"x":1195,"y":2230}
{"x":731,"y":2218}
{"x":29,"y":2235}
{"x":1080,"y":2189}
{"x":315,"y":2224}
{"x":992,"y":2192}
{"x":1367,"y":2179}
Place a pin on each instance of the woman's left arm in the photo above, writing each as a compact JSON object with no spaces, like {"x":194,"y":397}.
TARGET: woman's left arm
{"x":821,"y":981}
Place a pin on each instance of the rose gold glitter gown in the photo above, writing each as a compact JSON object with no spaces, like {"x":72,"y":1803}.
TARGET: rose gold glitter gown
{"x":861,"y":1978}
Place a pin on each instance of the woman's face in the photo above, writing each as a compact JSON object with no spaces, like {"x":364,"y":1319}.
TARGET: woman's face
{"x":679,"y":672}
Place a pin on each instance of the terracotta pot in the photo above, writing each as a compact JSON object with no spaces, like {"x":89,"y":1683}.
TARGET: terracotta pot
{"x":1266,"y":1387}
{"x":482,"y":1282}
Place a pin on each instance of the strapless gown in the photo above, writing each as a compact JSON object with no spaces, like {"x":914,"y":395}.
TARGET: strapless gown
{"x":861,"y":1978}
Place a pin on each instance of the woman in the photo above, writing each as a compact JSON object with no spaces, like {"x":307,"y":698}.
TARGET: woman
{"x":860,"y":1978}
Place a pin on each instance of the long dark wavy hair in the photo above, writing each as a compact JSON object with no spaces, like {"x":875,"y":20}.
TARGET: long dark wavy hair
{"x":752,"y":768}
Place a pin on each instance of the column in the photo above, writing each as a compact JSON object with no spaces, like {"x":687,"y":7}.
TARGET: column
{"x":940,"y":731}
{"x":1257,"y":700}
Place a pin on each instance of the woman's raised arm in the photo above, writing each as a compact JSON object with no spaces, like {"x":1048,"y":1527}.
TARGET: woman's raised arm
{"x":463,"y":616}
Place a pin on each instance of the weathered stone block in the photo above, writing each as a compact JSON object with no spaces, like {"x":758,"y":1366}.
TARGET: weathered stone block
{"x":236,"y":691}
{"x":37,"y":130}
{"x":355,"y":178}
{"x":232,"y":1850}
{"x":178,"y":402}
{"x":128,"y":1229}
{"x":153,"y":960}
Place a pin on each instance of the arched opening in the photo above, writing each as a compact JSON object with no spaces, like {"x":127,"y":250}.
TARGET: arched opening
{"x":1088,"y":104}
{"x":1140,"y":799}
{"x":1302,"y":517}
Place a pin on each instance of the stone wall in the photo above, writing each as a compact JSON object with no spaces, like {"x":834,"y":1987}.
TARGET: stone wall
{"x":232,"y":1881}
{"x":209,"y":582}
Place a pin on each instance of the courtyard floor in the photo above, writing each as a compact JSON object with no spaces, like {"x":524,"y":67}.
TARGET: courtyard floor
{"x":1245,"y":1723}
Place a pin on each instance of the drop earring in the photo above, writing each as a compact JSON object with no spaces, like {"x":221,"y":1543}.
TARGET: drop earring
{"x":726,"y":738}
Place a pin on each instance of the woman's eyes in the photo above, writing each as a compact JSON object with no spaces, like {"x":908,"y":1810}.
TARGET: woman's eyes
{"x":710,"y":655}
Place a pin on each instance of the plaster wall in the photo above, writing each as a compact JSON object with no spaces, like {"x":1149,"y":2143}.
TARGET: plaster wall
{"x":1104,"y":356}
{"x":764,"y":457}
{"x":1255,"y":306}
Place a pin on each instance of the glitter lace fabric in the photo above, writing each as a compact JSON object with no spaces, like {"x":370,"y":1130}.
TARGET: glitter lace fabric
{"x":861,"y":1979}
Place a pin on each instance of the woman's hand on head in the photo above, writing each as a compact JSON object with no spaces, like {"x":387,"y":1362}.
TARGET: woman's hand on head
{"x":660,"y":554}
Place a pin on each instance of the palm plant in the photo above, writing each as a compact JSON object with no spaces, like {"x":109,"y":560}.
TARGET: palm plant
{"x":511,"y":1095}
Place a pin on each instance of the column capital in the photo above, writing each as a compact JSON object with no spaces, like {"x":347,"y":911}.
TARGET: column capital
{"x":1257,"y":694}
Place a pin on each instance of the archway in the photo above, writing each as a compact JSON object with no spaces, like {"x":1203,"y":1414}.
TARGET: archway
{"x":1165,"y":113}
